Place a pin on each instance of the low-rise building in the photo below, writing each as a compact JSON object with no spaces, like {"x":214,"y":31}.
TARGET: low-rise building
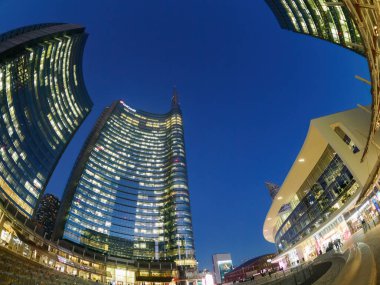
{"x":250,"y":268}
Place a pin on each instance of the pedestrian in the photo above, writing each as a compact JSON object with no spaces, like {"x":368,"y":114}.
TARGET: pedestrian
{"x":330,"y":246}
{"x":340,"y":243}
{"x":368,"y":225}
{"x":364,"y":225}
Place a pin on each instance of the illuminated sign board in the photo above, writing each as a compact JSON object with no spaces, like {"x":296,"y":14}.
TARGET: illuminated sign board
{"x":224,"y":266}
{"x":129,"y":108}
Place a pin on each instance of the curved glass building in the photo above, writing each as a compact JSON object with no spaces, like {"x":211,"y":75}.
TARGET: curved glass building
{"x":43,"y":101}
{"x":317,"y":203}
{"x":319,"y":18}
{"x":128,"y":192}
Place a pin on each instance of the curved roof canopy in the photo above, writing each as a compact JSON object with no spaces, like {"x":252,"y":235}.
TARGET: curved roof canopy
{"x":309,"y":155}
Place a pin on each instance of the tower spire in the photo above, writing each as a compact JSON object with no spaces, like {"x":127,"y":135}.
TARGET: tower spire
{"x":273,"y":188}
{"x":175,"y":100}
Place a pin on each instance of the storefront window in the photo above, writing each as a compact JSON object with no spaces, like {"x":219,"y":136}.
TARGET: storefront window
{"x":328,"y":187}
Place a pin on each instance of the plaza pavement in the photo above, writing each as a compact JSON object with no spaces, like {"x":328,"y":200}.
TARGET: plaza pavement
{"x":370,"y":259}
{"x":361,"y":255}
{"x":357,"y":263}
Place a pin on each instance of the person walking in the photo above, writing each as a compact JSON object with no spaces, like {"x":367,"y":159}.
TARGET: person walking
{"x":340,"y":243}
{"x":364,"y":225}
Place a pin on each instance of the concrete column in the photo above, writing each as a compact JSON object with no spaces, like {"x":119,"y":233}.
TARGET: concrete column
{"x":299,"y":250}
{"x":2,"y":219}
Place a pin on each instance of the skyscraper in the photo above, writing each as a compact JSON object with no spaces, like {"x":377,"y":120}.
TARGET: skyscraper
{"x":319,"y":19}
{"x":128,"y":193}
{"x":351,"y":24}
{"x":272,"y":188}
{"x":43,"y":102}
{"x":46,"y":214}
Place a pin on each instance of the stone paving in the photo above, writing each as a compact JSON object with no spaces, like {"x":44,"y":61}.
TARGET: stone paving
{"x":372,"y":239}
{"x":356,"y":264}
{"x":338,"y":262}
{"x":362,"y":261}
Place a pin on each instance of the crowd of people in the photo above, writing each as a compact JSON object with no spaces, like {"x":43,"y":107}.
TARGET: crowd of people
{"x":336,"y":244}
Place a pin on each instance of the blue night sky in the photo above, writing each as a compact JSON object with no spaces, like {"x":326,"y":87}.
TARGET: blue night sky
{"x":247,"y":89}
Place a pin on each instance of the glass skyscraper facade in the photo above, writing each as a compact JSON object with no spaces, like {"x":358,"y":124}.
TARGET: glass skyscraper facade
{"x":327,"y":188}
{"x":46,"y":214}
{"x":128,"y":193}
{"x":43,"y":101}
{"x":319,"y":18}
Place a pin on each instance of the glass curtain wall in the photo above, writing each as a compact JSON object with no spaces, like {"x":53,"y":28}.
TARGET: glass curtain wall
{"x":316,"y":18}
{"x":129,"y":188}
{"x":43,"y":101}
{"x":328,"y":187}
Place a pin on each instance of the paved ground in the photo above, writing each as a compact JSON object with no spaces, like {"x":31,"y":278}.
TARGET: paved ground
{"x":359,"y":268}
{"x":372,"y":239}
{"x":359,"y":265}
{"x":338,"y":262}
{"x":303,"y":275}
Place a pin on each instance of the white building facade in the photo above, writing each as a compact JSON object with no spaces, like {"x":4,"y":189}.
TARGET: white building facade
{"x":317,"y":204}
